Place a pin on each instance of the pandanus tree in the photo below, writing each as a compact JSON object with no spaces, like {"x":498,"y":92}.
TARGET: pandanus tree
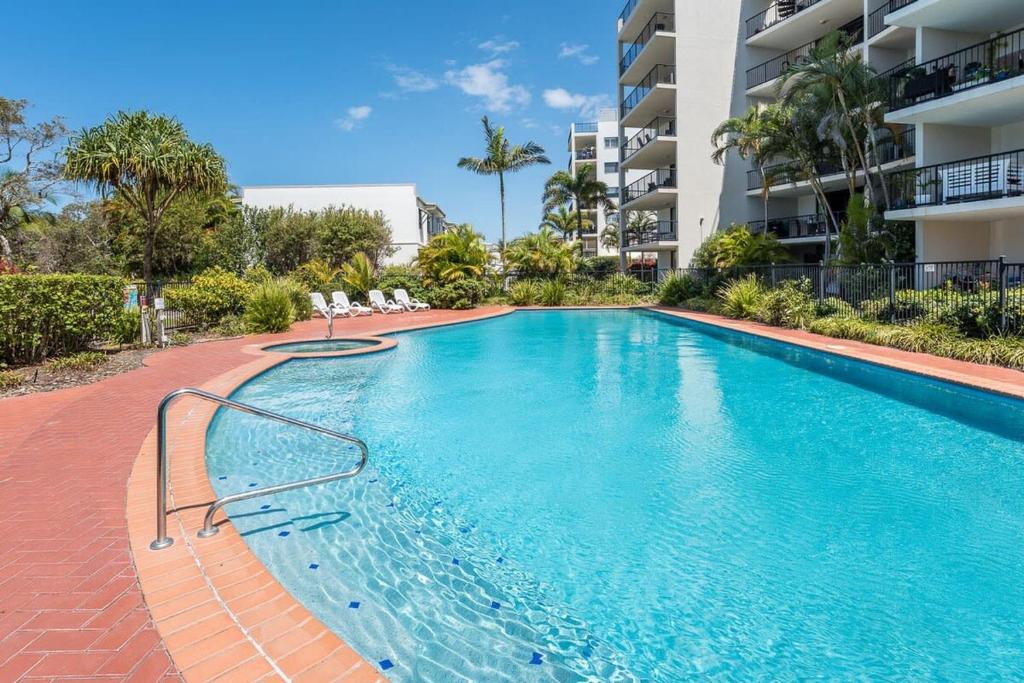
{"x":581,"y":189}
{"x":457,"y":254}
{"x":502,"y":157}
{"x":147,"y":161}
{"x":565,"y":222}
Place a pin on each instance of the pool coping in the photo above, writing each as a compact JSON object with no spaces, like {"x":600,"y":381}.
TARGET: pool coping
{"x":217,"y":608}
{"x":998,"y":380}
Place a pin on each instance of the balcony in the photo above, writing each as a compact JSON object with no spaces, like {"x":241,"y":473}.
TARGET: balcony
{"x":586,"y":154}
{"x":902,"y":146}
{"x":584,"y":128}
{"x":635,"y":15}
{"x":658,"y":233}
{"x":894,"y":36}
{"x":809,"y":228}
{"x":981,"y":189}
{"x":653,"y":147}
{"x":654,"y":96}
{"x":655,"y":45}
{"x":961,"y":16}
{"x":795,"y":22}
{"x":788,"y":173}
{"x":982,"y":85}
{"x":654,"y":191}
{"x":761,"y":79}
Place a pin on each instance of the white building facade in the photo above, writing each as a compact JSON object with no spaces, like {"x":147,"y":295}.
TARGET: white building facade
{"x":413,"y":221}
{"x":955,"y":111}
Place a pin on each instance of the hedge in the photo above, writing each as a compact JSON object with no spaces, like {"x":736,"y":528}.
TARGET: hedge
{"x":52,"y":315}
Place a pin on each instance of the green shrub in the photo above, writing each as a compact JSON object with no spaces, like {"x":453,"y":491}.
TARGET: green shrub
{"x":299,"y":296}
{"x":317,"y":276}
{"x":742,"y":298}
{"x":599,"y":266}
{"x":703,"y":304}
{"x":179,"y":338}
{"x":269,"y":309}
{"x":257,"y":275}
{"x":79,"y":362}
{"x":788,"y":305}
{"x":458,"y":295}
{"x":128,"y":327}
{"x":9,"y":379}
{"x":553,"y":293}
{"x":676,"y":288}
{"x":51,"y":315}
{"x":524,"y":293}
{"x":230,"y":326}
{"x":621,"y":284}
{"x":834,"y":306}
{"x":401,"y":277}
{"x":583,"y":290}
{"x":212,"y":295}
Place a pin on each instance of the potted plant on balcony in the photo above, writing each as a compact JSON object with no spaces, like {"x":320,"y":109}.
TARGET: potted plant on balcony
{"x":926,"y":191}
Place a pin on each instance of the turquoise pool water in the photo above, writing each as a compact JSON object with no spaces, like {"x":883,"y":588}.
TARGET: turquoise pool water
{"x":613,"y":496}
{"x":321,"y":346}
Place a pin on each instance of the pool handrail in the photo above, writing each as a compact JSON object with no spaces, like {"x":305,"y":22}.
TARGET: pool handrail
{"x":209,"y":529}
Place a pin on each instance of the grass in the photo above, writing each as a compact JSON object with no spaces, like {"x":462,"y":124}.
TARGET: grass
{"x":79,"y":362}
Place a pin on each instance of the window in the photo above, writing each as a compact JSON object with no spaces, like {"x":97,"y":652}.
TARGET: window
{"x":613,"y":192}
{"x":611,"y":167}
{"x":611,"y":143}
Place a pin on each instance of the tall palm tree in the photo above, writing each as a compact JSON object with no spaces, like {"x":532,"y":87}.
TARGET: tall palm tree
{"x":503,"y":157}
{"x":610,"y":237}
{"x":457,"y":254}
{"x":564,"y":221}
{"x":581,"y":189}
{"x":754,"y":136}
{"x":148,"y":161}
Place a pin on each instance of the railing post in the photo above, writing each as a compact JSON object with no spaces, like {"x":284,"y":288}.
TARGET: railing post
{"x":162,"y":539}
{"x":773,"y":276}
{"x":1002,"y":293}
{"x":892,"y":293}
{"x":821,"y":282}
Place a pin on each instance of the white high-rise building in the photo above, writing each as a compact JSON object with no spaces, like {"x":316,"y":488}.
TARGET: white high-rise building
{"x":955,"y":70}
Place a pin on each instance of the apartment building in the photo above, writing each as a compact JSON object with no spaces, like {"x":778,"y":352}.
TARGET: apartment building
{"x":596,"y":144}
{"x":685,"y":67}
{"x":413,"y":221}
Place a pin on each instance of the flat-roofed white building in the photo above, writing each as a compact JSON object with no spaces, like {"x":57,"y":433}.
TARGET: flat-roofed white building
{"x":413,"y":221}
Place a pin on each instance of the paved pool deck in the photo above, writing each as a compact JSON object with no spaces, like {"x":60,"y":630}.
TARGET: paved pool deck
{"x":76,"y":482}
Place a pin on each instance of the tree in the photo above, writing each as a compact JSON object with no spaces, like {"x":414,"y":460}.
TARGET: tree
{"x":359,"y":274}
{"x":346,"y":231}
{"x":26,"y":181}
{"x":78,"y":240}
{"x":148,"y":161}
{"x":458,"y":254}
{"x":737,"y":246}
{"x":503,"y":157}
{"x":754,"y":136}
{"x":610,"y":236}
{"x":582,"y":189}
{"x":564,"y":221}
{"x":541,"y":253}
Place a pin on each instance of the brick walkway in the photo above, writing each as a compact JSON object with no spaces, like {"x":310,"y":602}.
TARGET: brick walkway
{"x":70,"y":604}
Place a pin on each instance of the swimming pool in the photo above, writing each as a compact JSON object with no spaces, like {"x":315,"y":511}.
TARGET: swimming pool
{"x":623,"y":496}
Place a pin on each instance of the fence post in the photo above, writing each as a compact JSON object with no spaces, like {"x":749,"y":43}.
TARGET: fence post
{"x":1002,"y":293}
{"x":773,"y":276}
{"x":821,"y":282}
{"x":892,"y":293}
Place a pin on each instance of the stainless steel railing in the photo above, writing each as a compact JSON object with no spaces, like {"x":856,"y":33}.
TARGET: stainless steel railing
{"x":209,"y":529}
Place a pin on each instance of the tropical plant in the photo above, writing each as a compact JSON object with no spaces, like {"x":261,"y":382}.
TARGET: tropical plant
{"x":457,"y":295}
{"x":458,"y":254}
{"x":742,"y":298}
{"x":9,"y":379}
{"x":564,"y":221}
{"x":737,"y":246}
{"x":147,"y":161}
{"x":677,"y":288}
{"x":553,"y":293}
{"x":298,"y":293}
{"x":610,"y":236}
{"x":501,"y":157}
{"x":754,"y":136}
{"x":269,"y":309}
{"x":788,"y":305}
{"x":358,"y":275}
{"x":540,"y":254}
{"x":212,"y":295}
{"x":317,"y":276}
{"x":524,"y":293}
{"x":83,"y":361}
{"x":582,"y":189}
{"x":401,"y":277}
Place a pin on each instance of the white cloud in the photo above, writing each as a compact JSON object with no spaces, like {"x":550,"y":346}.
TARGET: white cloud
{"x":578,"y":51}
{"x":410,"y":80}
{"x":353,"y":117}
{"x":498,"y":45}
{"x":489,"y":82}
{"x":586,"y":105}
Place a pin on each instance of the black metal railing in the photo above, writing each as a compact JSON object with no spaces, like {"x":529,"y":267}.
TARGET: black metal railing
{"x":662,"y":125}
{"x":662,"y":73}
{"x":652,"y":182}
{"x":987,"y":62}
{"x":787,"y":173}
{"x":174,"y":319}
{"x":794,"y":227}
{"x":876,"y":20}
{"x":971,"y":180}
{"x":777,"y":12}
{"x":899,"y":146}
{"x":775,"y":67}
{"x":587,"y":154}
{"x":660,"y":231}
{"x":661,"y":21}
{"x":585,"y":128}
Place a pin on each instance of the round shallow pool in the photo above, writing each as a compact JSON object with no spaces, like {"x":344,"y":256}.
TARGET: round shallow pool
{"x":616,"y":496}
{"x":321,"y":346}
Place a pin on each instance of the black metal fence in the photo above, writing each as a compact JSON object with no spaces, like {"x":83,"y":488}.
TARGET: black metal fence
{"x":988,"y":177}
{"x":775,"y":67}
{"x":876,"y":20}
{"x":149,"y":292}
{"x":777,"y":12}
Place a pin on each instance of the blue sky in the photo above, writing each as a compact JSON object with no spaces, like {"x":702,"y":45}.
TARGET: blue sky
{"x":309,"y":92}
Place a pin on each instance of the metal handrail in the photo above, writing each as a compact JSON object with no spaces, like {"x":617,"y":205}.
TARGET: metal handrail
{"x":162,"y":539}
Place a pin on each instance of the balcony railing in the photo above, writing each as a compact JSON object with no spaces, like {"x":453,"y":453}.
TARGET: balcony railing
{"x":902,"y":145}
{"x":661,"y":21}
{"x":663,"y":125}
{"x":777,"y":12}
{"x":627,"y":11}
{"x":794,"y":227}
{"x":652,"y":182}
{"x":588,"y":154}
{"x":876,"y":20}
{"x":774,"y":68}
{"x":585,"y":128}
{"x":661,"y":231}
{"x":660,"y":74}
{"x":996,"y":176}
{"x":789,"y":172}
{"x":987,"y":62}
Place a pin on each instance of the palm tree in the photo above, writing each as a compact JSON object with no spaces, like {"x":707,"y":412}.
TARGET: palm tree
{"x":610,"y":236}
{"x":149,"y":161}
{"x":581,"y":189}
{"x":753,"y":136}
{"x":564,"y":221}
{"x":457,"y":254}
{"x":541,"y":253}
{"x":503,"y":157}
{"x":358,"y":274}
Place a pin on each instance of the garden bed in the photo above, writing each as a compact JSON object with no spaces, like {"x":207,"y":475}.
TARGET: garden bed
{"x":45,"y":377}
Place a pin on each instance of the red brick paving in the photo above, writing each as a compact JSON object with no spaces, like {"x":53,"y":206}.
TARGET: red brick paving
{"x":70,"y":604}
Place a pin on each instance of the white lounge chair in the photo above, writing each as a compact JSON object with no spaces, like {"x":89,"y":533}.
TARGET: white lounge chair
{"x":403,"y":300}
{"x":344,"y":307}
{"x":378,"y":303}
{"x":328,"y":311}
